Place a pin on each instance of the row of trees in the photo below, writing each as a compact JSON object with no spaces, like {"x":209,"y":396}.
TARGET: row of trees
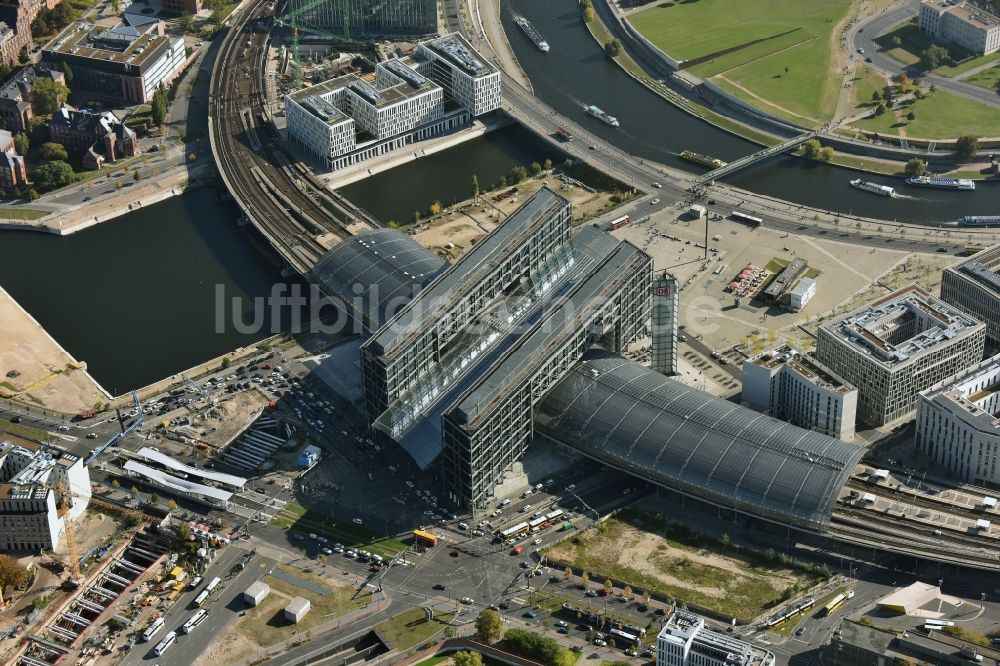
{"x":814,"y":151}
{"x":50,"y":21}
{"x":490,"y":628}
{"x":588,"y":10}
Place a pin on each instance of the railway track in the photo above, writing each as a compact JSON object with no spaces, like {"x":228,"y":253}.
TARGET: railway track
{"x":906,"y":496}
{"x":277,"y":193}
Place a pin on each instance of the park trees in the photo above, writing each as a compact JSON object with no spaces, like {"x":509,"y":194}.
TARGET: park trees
{"x":47,"y":96}
{"x":933,"y":57}
{"x":489,"y":626}
{"x":966,"y":148}
{"x":915,"y":167}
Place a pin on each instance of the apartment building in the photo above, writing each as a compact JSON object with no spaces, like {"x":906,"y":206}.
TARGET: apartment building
{"x":32,"y":476}
{"x":962,"y":23}
{"x":898,"y":346}
{"x":973,"y":286}
{"x":793,"y":386}
{"x":685,"y":641}
{"x":958,"y":423}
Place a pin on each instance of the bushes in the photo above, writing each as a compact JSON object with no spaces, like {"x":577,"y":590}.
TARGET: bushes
{"x":531,"y":645}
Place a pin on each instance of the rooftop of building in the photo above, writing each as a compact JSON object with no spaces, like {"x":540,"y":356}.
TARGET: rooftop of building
{"x":31,"y":474}
{"x":864,"y":637}
{"x":499,"y":345}
{"x":456,"y":49}
{"x":804,"y":364}
{"x":685,"y":627}
{"x":903,"y":325}
{"x":803,"y":286}
{"x":970,"y":392}
{"x":637,"y":420}
{"x":121,"y":44}
{"x":579,"y":304}
{"x":438,"y":297}
{"x":970,"y":14}
{"x":376,"y":272}
{"x":982,"y":268}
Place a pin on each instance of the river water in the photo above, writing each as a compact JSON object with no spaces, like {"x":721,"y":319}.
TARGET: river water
{"x":137,"y":298}
{"x":575,"y":73}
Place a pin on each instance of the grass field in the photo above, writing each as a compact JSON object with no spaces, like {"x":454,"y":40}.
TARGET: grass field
{"x":989,"y":79}
{"x":939,"y":116}
{"x":790,"y":69}
{"x":295,"y":517}
{"x":409,"y":628}
{"x":967,"y":64}
{"x":866,"y":81}
{"x":652,"y":555}
{"x":266,"y":625}
{"x":21,"y":213}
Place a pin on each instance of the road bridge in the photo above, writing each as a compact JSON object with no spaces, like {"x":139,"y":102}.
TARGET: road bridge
{"x":755,"y":158}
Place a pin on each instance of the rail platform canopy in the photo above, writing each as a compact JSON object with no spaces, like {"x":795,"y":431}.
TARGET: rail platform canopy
{"x":637,"y":420}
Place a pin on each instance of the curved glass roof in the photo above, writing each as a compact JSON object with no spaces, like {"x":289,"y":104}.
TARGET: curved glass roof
{"x":656,"y":428}
{"x":378,"y":269}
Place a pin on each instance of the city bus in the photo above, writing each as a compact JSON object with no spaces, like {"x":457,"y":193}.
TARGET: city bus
{"x":627,"y":638}
{"x":195,"y":620}
{"x":425,"y":538}
{"x":153,"y":629}
{"x":620,"y":222}
{"x":834,"y":603}
{"x":515,"y":531}
{"x":200,"y":599}
{"x":552,"y":515}
{"x":214,"y":583}
{"x":747,"y":218}
{"x":939,"y":623}
{"x":165,"y":644}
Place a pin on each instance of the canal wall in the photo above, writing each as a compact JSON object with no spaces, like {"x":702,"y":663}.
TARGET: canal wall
{"x":397,"y":158}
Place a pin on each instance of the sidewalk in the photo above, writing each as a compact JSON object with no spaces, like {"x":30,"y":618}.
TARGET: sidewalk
{"x":488,"y":13}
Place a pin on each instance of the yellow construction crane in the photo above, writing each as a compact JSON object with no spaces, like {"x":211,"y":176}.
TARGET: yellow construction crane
{"x":64,"y":506}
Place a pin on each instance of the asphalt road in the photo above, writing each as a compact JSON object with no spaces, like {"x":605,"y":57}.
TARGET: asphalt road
{"x":864,"y":34}
{"x":224,"y":606}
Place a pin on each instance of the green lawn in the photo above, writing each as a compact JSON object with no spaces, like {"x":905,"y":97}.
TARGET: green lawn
{"x":801,"y":32}
{"x":989,"y":79}
{"x":940,"y":116}
{"x":295,"y":517}
{"x":968,"y":64}
{"x":866,"y":82}
{"x":22,"y":213}
{"x":411,"y":628}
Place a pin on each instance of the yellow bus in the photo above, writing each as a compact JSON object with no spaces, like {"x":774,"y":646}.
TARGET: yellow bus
{"x":834,"y":603}
{"x":424,"y":538}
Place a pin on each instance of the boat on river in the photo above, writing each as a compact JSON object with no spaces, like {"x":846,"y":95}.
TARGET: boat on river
{"x":535,"y":36}
{"x":941,"y":183}
{"x":874,"y":188}
{"x":602,"y":116}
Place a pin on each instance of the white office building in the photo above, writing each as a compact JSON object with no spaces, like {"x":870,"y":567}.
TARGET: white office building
{"x":686,"y":641}
{"x":30,"y":474}
{"x":962,"y":23}
{"x":348,"y":120}
{"x":973,"y":286}
{"x":958,"y":423}
{"x":801,"y":294}
{"x":463,"y":73}
{"x":896,"y":347}
{"x":794,"y":387}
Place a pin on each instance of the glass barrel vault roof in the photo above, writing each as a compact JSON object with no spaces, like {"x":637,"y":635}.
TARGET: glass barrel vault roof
{"x":377,"y":271}
{"x":640,"y":421}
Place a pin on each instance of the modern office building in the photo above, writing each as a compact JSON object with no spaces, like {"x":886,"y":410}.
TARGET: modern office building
{"x":896,"y":347}
{"x":455,"y":374}
{"x":35,"y":480}
{"x":958,"y":423}
{"x":855,"y":644}
{"x":122,"y":64}
{"x":794,"y":387}
{"x":353,"y":18}
{"x":962,"y":23}
{"x":973,"y":286}
{"x":685,"y":641}
{"x":348,"y":120}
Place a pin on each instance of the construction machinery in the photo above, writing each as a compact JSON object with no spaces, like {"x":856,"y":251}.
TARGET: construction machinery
{"x":65,"y":493}
{"x":296,"y":19}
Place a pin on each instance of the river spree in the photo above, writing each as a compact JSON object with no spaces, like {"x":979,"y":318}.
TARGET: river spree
{"x":135,"y":298}
{"x":575,"y":73}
